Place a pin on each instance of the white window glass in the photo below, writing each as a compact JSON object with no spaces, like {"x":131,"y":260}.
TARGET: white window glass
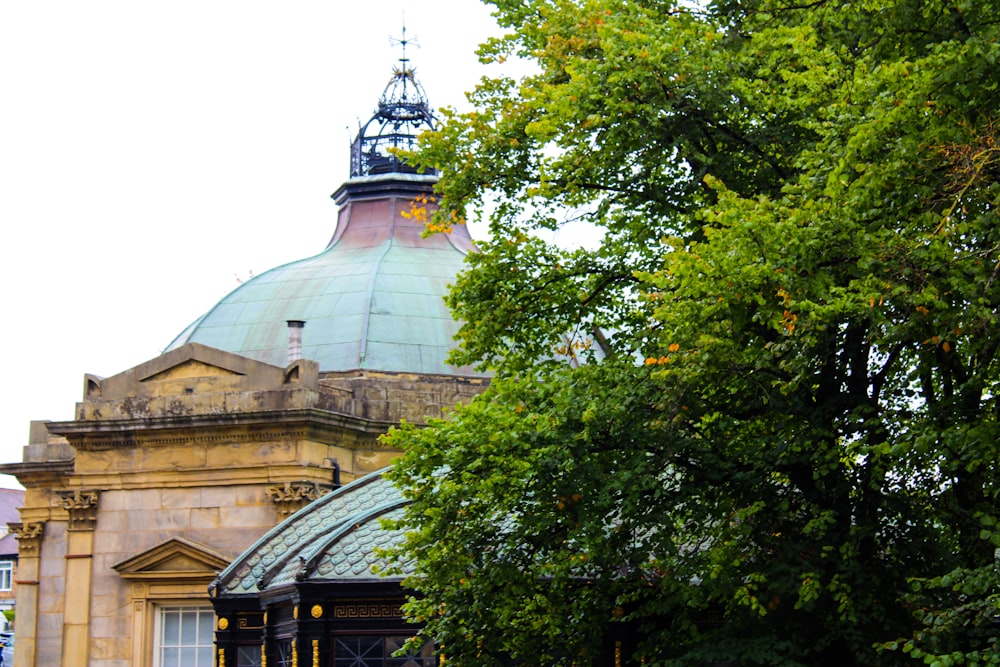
{"x":6,"y":574}
{"x":184,"y":637}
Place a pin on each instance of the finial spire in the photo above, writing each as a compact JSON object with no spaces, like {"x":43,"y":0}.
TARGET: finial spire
{"x":403,"y":113}
{"x":403,"y":41}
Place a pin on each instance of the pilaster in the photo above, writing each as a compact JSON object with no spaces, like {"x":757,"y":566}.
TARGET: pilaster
{"x":29,"y":546}
{"x":82,"y":509}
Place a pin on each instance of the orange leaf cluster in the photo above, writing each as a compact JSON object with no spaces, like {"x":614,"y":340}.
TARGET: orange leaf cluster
{"x":420,"y":212}
{"x":788,"y":319}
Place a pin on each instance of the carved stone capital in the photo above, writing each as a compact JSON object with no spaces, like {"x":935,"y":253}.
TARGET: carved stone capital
{"x":29,"y":537}
{"x":82,"y":508}
{"x":293,"y":496}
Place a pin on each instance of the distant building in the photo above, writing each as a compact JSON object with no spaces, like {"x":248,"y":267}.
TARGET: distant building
{"x":174,"y":469}
{"x":10,"y":501}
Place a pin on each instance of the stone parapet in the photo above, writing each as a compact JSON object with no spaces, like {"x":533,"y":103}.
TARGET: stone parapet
{"x":392,"y":398}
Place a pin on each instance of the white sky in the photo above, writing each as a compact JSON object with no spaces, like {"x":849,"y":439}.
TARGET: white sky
{"x":151,"y":153}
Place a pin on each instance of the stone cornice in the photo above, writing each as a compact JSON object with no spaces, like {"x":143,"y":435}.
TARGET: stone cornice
{"x":207,"y":477}
{"x":303,"y":423}
{"x":39,"y":473}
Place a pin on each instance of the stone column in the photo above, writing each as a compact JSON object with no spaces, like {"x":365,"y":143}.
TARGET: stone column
{"x":82,"y":508}
{"x":29,"y":546}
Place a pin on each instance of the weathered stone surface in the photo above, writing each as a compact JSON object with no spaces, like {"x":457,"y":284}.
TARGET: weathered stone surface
{"x":130,"y":501}
{"x":107,"y":609}
{"x":247,"y":516}
{"x":107,"y":647}
{"x":365,"y":462}
{"x":206,"y":518}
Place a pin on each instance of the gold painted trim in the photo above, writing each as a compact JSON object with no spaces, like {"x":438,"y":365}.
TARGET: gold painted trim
{"x":369,"y":609}
{"x":244,"y":624}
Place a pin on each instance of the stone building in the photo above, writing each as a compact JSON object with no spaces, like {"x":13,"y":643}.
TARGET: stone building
{"x":172,"y":469}
{"x":10,"y":501}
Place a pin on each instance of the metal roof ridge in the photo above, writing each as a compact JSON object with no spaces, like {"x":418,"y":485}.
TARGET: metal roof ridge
{"x":370,"y":297}
{"x":320,"y":547}
{"x":293,"y":521}
{"x":274,"y":569}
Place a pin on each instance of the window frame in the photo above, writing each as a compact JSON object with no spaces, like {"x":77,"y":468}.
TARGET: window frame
{"x":6,"y":575}
{"x":249,"y":655}
{"x":159,"y":618}
{"x":426,"y":656}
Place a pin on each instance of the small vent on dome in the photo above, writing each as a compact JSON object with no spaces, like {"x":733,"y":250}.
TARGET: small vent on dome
{"x":295,"y":339}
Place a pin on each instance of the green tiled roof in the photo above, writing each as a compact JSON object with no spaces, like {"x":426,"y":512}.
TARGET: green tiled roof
{"x":336,"y":537}
{"x":374,"y":299}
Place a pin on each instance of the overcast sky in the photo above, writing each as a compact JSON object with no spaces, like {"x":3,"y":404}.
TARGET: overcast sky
{"x":153,"y":154}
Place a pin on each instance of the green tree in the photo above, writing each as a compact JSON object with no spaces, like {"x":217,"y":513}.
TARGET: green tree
{"x":784,"y":451}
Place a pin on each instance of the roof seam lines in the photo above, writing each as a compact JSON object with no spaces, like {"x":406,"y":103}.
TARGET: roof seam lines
{"x":347,"y":527}
{"x":290,"y":525}
{"x":372,"y":277}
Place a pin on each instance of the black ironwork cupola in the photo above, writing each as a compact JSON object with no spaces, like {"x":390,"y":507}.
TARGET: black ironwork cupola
{"x":402,"y":114}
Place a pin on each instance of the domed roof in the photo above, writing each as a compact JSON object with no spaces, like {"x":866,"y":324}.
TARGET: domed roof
{"x":374,"y":298}
{"x":336,"y":537}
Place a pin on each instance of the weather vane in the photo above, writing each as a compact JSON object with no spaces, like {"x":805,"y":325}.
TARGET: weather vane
{"x":403,"y":41}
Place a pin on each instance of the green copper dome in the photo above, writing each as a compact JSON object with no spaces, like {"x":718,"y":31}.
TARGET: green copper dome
{"x":374,"y":299}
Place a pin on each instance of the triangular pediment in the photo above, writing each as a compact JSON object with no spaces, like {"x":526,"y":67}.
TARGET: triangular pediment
{"x":191,"y":368}
{"x":196,"y":368}
{"x":196,"y":360}
{"x":175,"y":558}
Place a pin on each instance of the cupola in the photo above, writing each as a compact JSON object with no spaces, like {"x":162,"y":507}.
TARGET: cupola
{"x":402,"y":114}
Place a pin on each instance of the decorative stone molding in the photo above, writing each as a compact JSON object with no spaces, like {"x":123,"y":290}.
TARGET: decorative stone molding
{"x":29,"y":537}
{"x":82,"y":508}
{"x":293,"y":496}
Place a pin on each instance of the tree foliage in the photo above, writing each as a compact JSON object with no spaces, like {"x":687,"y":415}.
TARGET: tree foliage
{"x":785,"y":453}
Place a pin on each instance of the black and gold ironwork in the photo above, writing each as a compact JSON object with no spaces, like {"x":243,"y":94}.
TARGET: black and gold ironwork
{"x":402,"y":114}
